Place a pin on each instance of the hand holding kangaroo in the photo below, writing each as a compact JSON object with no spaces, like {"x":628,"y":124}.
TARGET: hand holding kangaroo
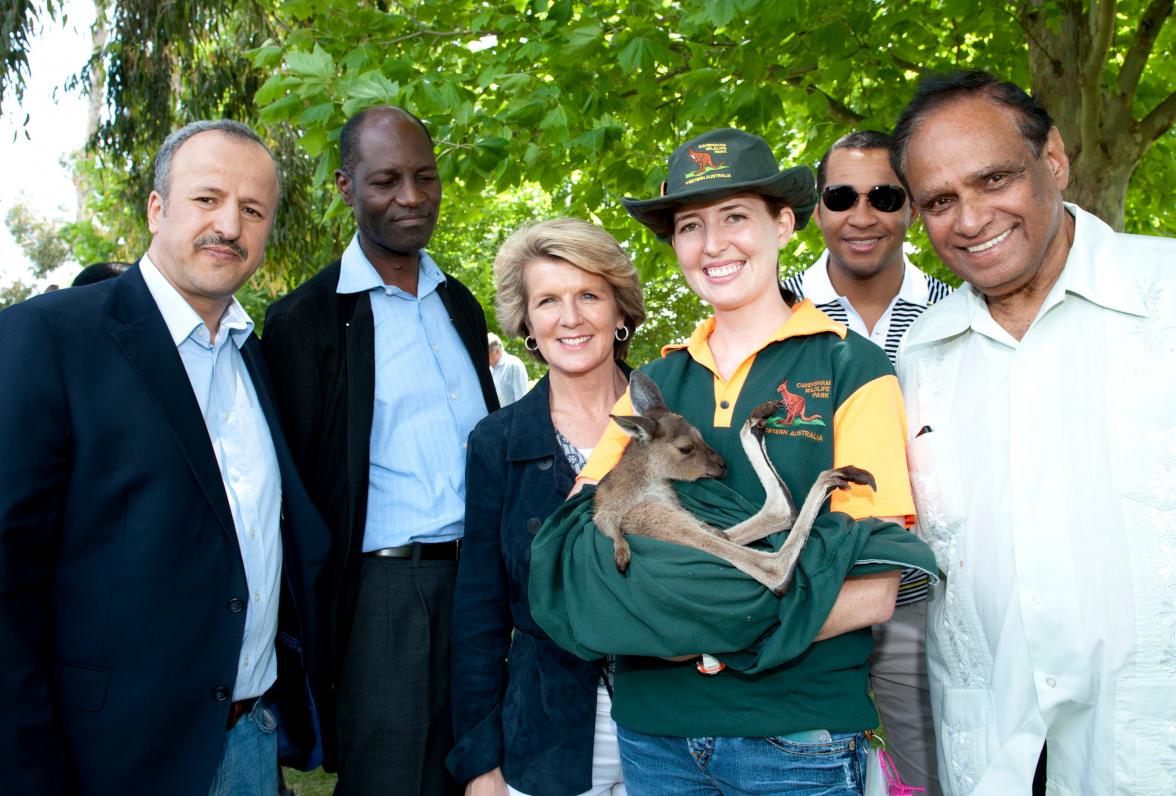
{"x":636,"y":497}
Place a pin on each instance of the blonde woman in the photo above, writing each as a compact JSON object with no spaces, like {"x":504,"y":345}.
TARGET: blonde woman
{"x":529,"y":717}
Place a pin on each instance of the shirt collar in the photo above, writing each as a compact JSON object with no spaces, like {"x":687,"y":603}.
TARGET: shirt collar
{"x":358,"y":275}
{"x":806,"y":319}
{"x":817,"y":286}
{"x":1093,"y":271}
{"x":178,"y":314}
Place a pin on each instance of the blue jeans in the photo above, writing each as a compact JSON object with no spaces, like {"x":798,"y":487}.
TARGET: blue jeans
{"x":249,"y":758}
{"x":831,"y":764}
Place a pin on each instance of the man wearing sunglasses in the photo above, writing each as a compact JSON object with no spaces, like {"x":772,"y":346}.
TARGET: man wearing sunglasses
{"x":864,"y":281}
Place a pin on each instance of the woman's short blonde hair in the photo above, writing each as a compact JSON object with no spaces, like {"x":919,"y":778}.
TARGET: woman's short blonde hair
{"x":578,"y":243}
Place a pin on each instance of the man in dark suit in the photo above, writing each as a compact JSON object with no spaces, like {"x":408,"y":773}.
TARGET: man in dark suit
{"x":151,"y":518}
{"x":382,"y":370}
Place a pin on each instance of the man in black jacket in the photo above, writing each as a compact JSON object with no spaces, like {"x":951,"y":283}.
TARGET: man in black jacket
{"x":381,"y":369}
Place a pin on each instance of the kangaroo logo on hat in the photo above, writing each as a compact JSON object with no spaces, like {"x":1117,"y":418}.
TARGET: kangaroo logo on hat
{"x":704,"y":158}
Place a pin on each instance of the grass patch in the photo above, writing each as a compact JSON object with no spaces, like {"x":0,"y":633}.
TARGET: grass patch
{"x":310,"y":783}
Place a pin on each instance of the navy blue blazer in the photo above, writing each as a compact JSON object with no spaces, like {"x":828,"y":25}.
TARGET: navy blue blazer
{"x":519,"y":701}
{"x":121,"y":582}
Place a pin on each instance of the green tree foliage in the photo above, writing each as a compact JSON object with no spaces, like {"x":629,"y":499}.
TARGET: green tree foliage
{"x":39,"y":238}
{"x":18,"y":20}
{"x":581,"y":102}
{"x":14,"y":294}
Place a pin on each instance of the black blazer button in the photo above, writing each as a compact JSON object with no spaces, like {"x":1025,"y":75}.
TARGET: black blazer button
{"x":220,"y":693}
{"x":533,"y":525}
{"x":236,"y":605}
{"x":545,"y":464}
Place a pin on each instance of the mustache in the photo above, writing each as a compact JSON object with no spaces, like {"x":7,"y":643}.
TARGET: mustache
{"x":220,"y":240}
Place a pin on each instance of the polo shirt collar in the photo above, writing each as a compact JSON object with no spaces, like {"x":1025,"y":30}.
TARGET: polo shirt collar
{"x":358,"y":275}
{"x":817,"y":286}
{"x":178,"y":315}
{"x":805,"y":320}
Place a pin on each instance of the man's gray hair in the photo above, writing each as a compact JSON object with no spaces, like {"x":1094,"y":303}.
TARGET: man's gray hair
{"x":171,"y":144}
{"x":493,"y":341}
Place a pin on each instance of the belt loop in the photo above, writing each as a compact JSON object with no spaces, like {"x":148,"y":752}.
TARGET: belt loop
{"x":416,"y":552}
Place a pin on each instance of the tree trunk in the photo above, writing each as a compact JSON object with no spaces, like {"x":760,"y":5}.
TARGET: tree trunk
{"x":1069,"y":62}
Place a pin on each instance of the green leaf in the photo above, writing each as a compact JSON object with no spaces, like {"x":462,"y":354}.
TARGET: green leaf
{"x":282,"y":110}
{"x":265,"y":57}
{"x":317,"y":114}
{"x":318,"y":63}
{"x":372,"y":88}
{"x":582,"y":36}
{"x":555,"y":118}
{"x":635,"y":55}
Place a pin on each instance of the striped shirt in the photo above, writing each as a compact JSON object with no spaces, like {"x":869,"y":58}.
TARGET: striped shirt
{"x":917,"y":292}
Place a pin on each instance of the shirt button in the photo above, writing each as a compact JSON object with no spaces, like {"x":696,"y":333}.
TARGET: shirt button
{"x":245,"y":663}
{"x":1035,"y":598}
{"x":436,"y":349}
{"x":453,"y":395}
{"x":725,"y":404}
{"x":236,"y":605}
{"x":220,"y":693}
{"x":252,"y":532}
{"x":1051,"y":682}
{"x":256,"y":596}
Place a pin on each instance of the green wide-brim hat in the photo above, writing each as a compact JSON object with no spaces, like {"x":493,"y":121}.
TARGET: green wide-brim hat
{"x":723,"y":163}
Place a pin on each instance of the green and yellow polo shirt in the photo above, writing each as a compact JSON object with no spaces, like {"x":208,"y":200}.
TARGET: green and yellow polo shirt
{"x":852,"y":411}
{"x":849,"y":412}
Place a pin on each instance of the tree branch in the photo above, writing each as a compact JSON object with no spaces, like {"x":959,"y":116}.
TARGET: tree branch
{"x":1140,"y":50}
{"x":1158,"y":122}
{"x":1100,"y":29}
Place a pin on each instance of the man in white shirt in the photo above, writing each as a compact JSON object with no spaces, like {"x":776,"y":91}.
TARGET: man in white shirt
{"x":509,"y":372}
{"x":864,"y":281}
{"x":1041,"y":399}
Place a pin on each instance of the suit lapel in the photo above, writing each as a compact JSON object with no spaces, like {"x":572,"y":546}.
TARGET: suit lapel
{"x":141,"y":334}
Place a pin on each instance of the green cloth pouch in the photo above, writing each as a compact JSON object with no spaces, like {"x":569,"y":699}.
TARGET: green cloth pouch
{"x":676,"y":600}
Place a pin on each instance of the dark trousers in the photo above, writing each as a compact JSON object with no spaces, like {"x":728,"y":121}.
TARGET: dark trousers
{"x":394,"y":724}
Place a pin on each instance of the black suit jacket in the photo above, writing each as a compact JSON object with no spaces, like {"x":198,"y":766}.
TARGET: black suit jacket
{"x":121,"y":582}
{"x":320,"y":348}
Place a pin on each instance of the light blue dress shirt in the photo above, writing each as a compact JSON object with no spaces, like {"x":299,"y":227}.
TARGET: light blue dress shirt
{"x":248,"y":465}
{"x":428,"y":400}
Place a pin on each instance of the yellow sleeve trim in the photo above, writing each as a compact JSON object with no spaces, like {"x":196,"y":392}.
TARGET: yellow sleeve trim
{"x":869,"y":431}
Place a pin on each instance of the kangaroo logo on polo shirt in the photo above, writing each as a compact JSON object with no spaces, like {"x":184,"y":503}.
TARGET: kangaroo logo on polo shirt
{"x":709,"y":167}
{"x":793,"y":404}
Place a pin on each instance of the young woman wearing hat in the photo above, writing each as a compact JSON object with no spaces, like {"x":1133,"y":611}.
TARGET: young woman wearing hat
{"x":797,"y":727}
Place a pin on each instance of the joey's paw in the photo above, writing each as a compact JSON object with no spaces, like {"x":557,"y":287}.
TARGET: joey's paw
{"x":622,"y":557}
{"x":842,"y":477}
{"x":758,"y":416}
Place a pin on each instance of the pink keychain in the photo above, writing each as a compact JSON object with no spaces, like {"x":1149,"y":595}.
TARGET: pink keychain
{"x":882,"y":777}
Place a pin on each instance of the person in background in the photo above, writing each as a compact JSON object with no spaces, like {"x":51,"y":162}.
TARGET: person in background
{"x":509,"y":372}
{"x":864,"y":281}
{"x":529,"y":717}
{"x":99,"y":272}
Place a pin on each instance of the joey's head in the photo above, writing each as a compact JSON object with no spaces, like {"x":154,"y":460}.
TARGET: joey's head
{"x":674,"y":449}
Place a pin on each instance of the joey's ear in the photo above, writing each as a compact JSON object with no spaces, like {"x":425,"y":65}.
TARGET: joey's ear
{"x":644,"y":393}
{"x":639,"y":428}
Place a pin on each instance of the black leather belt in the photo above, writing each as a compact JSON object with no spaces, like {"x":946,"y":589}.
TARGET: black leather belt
{"x":421,"y":551}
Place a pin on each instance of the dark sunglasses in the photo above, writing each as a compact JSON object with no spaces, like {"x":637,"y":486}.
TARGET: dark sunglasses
{"x":883,"y":198}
